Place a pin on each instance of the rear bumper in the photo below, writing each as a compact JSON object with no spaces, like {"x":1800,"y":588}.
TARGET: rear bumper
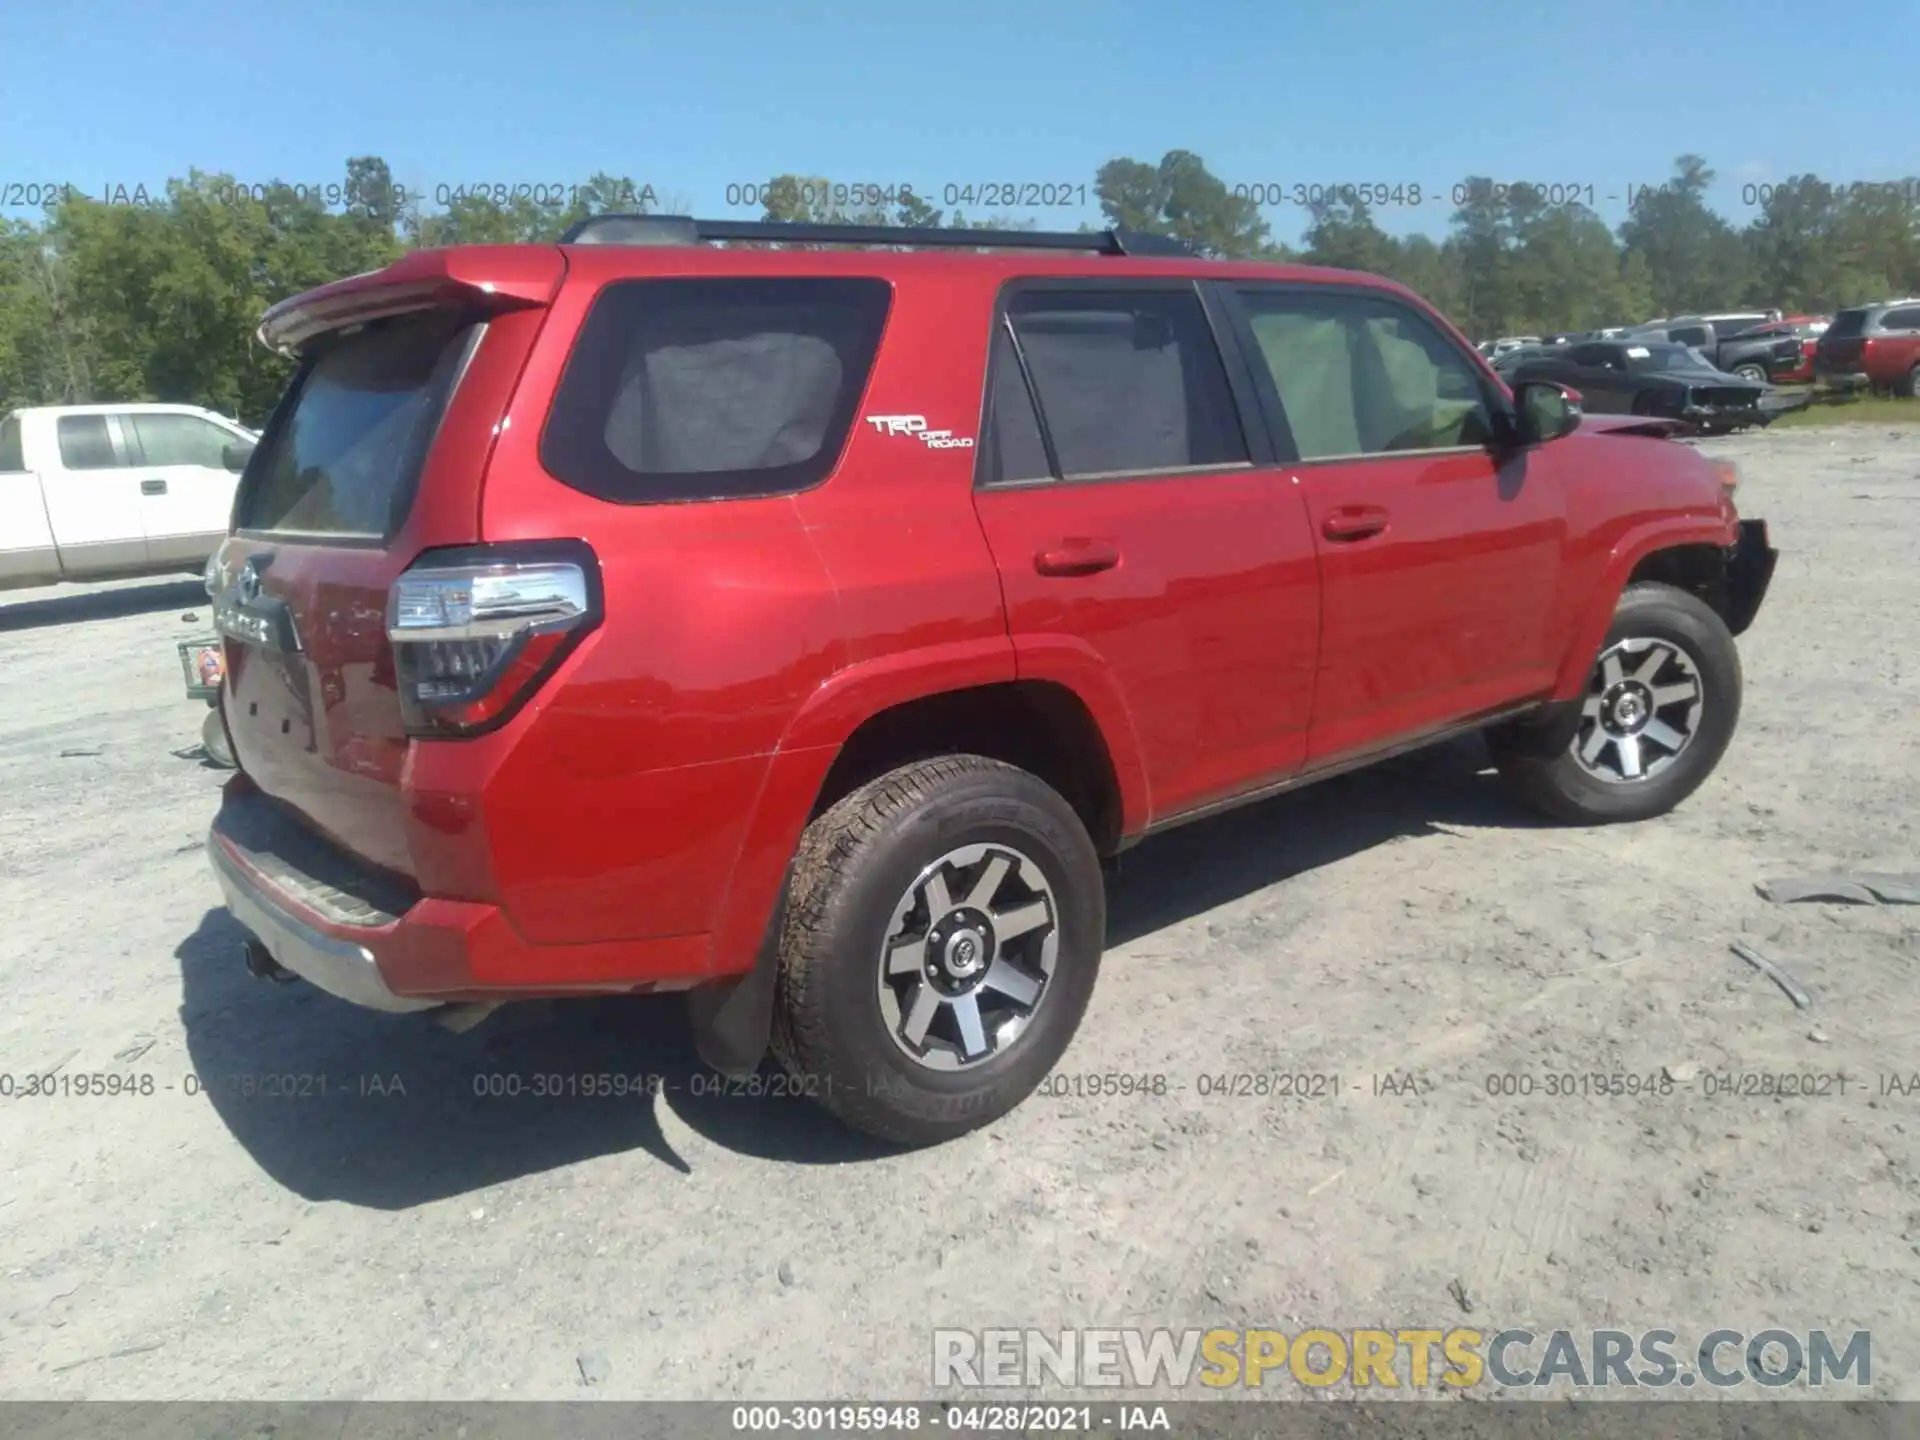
{"x":1841,"y":379}
{"x":340,"y":966}
{"x":366,"y":938}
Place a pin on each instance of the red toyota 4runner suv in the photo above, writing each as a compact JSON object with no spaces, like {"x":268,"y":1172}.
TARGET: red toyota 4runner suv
{"x":800,"y":628}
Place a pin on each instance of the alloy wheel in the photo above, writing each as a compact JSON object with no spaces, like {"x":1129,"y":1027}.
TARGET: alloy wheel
{"x":968,"y":957}
{"x":1641,"y":712}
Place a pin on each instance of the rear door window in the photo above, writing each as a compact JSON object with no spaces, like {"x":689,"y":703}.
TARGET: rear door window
{"x":713,"y":389}
{"x":1012,"y":448}
{"x":85,"y":443}
{"x":1129,"y":381}
{"x":344,"y":451}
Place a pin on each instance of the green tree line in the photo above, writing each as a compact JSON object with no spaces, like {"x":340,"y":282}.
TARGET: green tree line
{"x":159,"y":299}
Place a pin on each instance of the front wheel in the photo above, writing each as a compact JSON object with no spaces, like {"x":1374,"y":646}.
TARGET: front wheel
{"x":943,"y":931}
{"x":1659,"y":711}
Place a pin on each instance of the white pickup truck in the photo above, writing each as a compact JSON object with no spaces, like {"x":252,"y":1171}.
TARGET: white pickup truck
{"x":94,"y":492}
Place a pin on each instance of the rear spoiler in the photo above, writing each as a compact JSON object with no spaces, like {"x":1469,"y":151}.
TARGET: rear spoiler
{"x":488,"y":277}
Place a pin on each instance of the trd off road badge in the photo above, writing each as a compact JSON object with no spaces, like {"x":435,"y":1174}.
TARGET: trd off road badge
{"x":916,"y":427}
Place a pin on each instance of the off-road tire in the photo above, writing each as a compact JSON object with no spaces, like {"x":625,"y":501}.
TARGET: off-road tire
{"x":1552,"y":779}
{"x":851,"y":869}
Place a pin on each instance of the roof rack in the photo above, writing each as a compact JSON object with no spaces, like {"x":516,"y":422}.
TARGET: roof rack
{"x":685,"y":230}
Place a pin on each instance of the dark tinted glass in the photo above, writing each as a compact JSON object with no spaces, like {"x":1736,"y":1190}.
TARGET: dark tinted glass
{"x":1013,"y":449}
{"x":1128,"y":381}
{"x":1847,"y":324}
{"x":344,"y":458}
{"x":709,"y":389}
{"x":12,"y":451}
{"x":1907,"y":317}
{"x":84,"y":443}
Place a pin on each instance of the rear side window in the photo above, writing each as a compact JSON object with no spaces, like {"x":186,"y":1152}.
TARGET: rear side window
{"x":13,"y":455}
{"x":85,"y":444}
{"x":1847,"y":324}
{"x":1128,"y":381}
{"x":1907,"y":317}
{"x":713,"y":389}
{"x":344,"y":451}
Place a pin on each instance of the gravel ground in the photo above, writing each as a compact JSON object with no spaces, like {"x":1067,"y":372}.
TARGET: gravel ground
{"x":1406,"y":930}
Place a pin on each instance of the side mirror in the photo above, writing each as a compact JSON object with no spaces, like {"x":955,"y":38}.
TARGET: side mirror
{"x":1545,"y":411}
{"x":234,"y":456}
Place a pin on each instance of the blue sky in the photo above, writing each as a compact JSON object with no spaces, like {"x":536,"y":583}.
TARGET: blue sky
{"x":693,"y":98}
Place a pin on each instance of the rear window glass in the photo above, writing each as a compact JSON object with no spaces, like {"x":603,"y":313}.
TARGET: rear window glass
{"x":1847,"y":324}
{"x":12,"y":452}
{"x":713,"y":389}
{"x":1129,"y":381}
{"x":84,"y":443}
{"x":342,"y":455}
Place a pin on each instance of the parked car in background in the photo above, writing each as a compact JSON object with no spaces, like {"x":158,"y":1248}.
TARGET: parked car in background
{"x":95,"y":492}
{"x":1872,"y":346}
{"x":1634,"y":376}
{"x":573,"y":646}
{"x":1806,"y":329}
{"x":1759,"y":360}
{"x":1494,"y":349}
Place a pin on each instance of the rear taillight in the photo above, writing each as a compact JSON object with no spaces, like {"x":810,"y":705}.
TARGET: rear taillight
{"x":476,"y":631}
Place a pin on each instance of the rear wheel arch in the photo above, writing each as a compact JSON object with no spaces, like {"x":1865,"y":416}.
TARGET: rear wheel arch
{"x":1040,"y":726}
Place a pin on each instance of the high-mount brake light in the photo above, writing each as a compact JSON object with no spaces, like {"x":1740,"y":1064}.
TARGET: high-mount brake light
{"x":476,"y":631}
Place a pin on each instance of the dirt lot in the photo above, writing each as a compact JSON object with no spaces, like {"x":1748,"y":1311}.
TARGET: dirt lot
{"x":1403,"y":923}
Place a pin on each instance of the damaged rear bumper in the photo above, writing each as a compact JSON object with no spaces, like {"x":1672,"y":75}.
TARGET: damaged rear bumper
{"x":1750,"y":562}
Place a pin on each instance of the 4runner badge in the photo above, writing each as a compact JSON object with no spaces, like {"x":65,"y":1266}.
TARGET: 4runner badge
{"x":916,"y":426}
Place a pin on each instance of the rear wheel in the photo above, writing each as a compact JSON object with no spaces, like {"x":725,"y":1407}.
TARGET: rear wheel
{"x":1660,"y":709}
{"x":1909,"y":385}
{"x":1757,"y":374}
{"x":943,"y":932}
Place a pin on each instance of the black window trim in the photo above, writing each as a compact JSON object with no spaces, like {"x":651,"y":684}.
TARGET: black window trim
{"x":1253,"y":433}
{"x":856,"y":401}
{"x":406,"y":495}
{"x":1496,"y":400}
